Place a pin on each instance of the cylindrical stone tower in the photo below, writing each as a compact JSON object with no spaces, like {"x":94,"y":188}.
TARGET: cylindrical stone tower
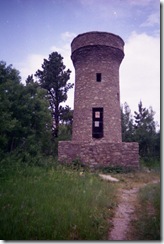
{"x":97,"y":57}
{"x":97,"y":140}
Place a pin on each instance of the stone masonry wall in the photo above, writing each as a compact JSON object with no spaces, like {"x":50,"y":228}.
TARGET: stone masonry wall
{"x":100,"y":154}
{"x":90,"y":94}
{"x":97,"y":53}
{"x":102,"y":53}
{"x":95,"y":37}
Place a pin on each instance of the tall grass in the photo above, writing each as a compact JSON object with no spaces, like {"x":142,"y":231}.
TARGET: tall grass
{"x":53,"y":203}
{"x":147,"y":225}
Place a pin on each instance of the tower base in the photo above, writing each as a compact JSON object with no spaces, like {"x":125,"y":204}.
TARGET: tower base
{"x":100,"y":154}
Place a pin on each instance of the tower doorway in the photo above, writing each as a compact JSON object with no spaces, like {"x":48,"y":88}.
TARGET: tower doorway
{"x":97,"y":122}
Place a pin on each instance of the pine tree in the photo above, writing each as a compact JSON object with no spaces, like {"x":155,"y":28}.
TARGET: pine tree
{"x":127,"y":124}
{"x":145,"y":130}
{"x":53,"y":78}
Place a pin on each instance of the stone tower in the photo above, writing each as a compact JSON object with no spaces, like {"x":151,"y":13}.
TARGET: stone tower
{"x":96,"y":139}
{"x":96,"y":57}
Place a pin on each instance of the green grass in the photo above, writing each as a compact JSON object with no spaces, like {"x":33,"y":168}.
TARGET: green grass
{"x":53,"y":203}
{"x":147,"y":225}
{"x":152,"y":164}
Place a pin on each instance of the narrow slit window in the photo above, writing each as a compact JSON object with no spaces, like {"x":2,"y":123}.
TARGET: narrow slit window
{"x":98,"y":77}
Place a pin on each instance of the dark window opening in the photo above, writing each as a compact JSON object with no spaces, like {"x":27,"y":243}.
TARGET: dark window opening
{"x":97,"y":122}
{"x":98,"y":77}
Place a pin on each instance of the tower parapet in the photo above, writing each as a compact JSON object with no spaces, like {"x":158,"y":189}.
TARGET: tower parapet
{"x":97,"y":38}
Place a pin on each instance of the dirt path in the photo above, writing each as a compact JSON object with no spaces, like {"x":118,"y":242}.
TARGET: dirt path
{"x":124,"y":212}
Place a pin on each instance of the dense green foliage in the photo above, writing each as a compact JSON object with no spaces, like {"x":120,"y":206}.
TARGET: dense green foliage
{"x":53,"y":203}
{"x":53,"y":78}
{"x":25,"y":121}
{"x":142,"y":129}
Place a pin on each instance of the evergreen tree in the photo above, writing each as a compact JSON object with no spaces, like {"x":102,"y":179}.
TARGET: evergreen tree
{"x":53,"y":78}
{"x":66,"y":116}
{"x":145,"y":130}
{"x":29,"y":79}
{"x":127,"y":124}
{"x":142,"y":129}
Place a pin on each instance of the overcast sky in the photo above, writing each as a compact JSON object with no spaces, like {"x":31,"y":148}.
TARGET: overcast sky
{"x":32,"y":29}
